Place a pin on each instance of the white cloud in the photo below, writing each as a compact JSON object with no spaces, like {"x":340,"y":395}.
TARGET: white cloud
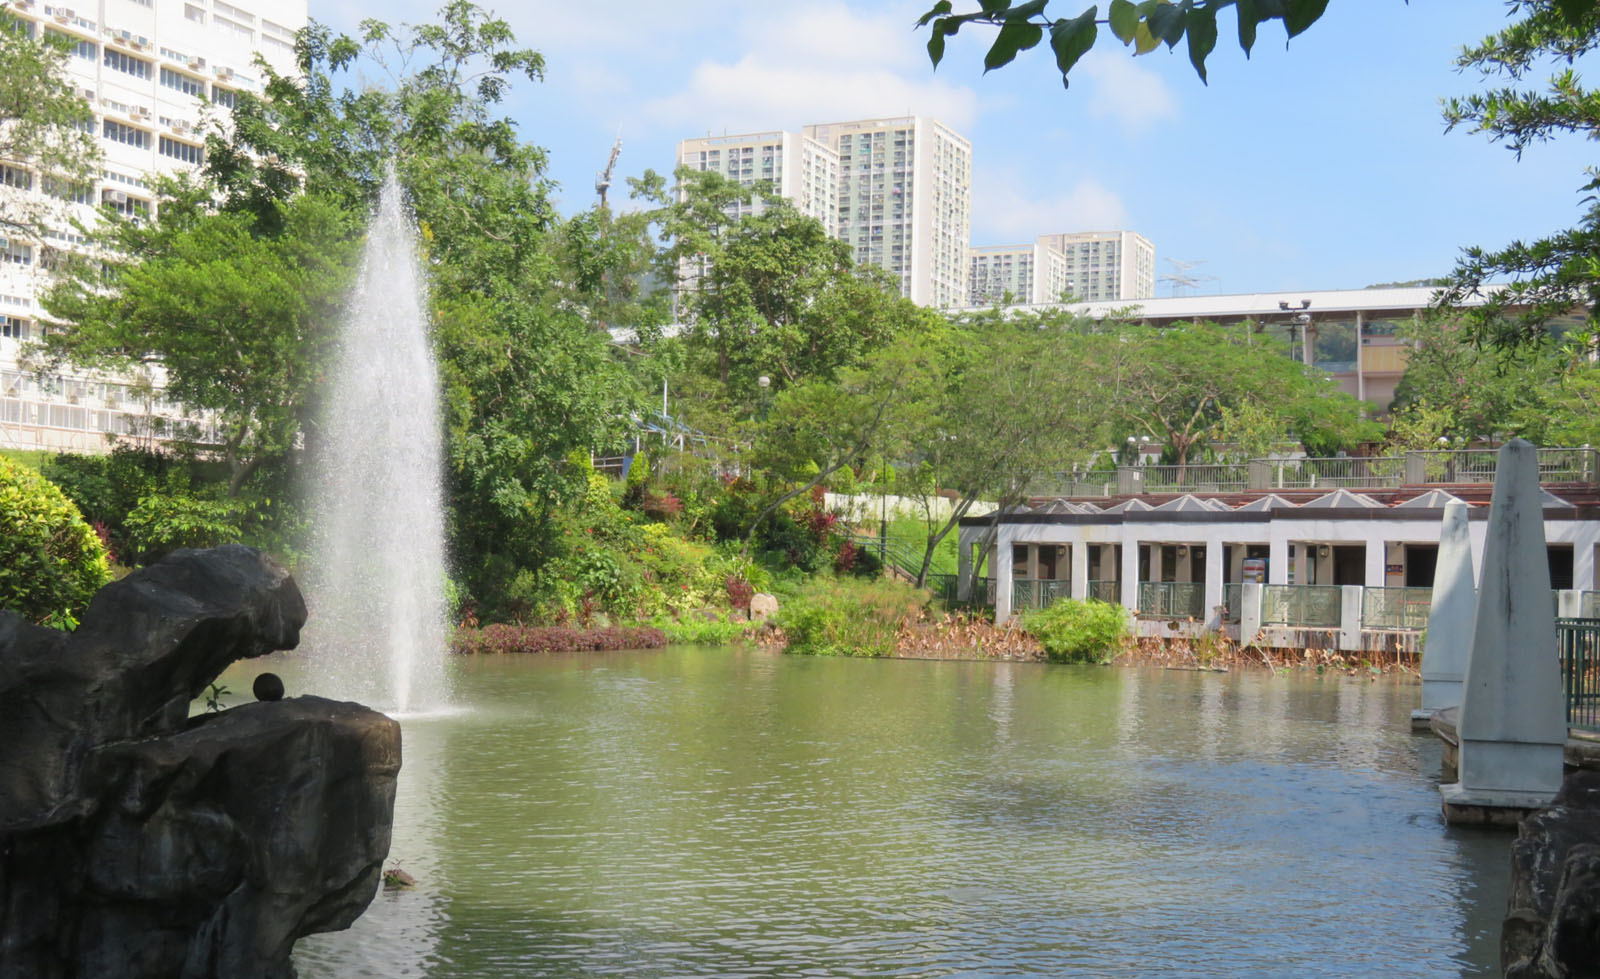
{"x":815,"y":62}
{"x":1005,"y":213}
{"x":1123,"y":91}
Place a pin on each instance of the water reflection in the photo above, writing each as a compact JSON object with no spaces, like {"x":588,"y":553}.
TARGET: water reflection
{"x":718,"y":812}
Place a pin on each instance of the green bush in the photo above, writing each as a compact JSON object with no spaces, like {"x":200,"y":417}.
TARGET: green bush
{"x":849,"y":616}
{"x":51,"y":562}
{"x":164,"y":522}
{"x":720,"y":631}
{"x":1078,"y":632}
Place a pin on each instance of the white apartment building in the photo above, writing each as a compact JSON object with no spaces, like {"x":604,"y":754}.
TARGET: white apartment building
{"x":147,"y":68}
{"x":1003,"y":274}
{"x":795,"y":166}
{"x":905,"y":201}
{"x":1105,"y":266}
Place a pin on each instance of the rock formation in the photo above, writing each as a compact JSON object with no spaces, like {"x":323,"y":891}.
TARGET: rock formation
{"x":1552,"y":926}
{"x":138,"y":842}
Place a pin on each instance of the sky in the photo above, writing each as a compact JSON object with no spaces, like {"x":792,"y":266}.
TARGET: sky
{"x":1320,"y":164}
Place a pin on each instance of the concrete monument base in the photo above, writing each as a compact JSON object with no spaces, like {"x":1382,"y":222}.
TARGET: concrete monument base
{"x":1489,"y":808}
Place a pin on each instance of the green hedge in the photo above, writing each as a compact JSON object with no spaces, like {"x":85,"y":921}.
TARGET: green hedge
{"x":849,"y":616}
{"x":51,"y":561}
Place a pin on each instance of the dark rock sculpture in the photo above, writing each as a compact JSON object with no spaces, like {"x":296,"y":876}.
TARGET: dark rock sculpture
{"x":137,"y":842}
{"x":1552,"y":926}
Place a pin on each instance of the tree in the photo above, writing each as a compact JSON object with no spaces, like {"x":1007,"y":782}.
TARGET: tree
{"x":240,"y":323}
{"x":1021,"y":400}
{"x":1551,"y":277}
{"x":1172,"y":383}
{"x":1141,"y":26}
{"x":46,"y":126}
{"x":1480,"y":392}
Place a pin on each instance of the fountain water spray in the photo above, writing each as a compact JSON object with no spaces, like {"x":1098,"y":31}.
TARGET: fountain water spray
{"x":377,"y":574}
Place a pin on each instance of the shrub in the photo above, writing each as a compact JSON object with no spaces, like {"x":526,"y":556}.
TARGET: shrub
{"x":1079,"y":632}
{"x":739,"y":591}
{"x":51,"y":562}
{"x":164,"y":522}
{"x":719,"y":631}
{"x":849,"y":616}
{"x":501,"y":639}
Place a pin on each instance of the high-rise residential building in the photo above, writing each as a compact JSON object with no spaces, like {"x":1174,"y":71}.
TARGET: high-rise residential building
{"x":1030,"y":274}
{"x":146,"y":68}
{"x":795,"y":166}
{"x":1106,"y":265}
{"x":905,"y":201}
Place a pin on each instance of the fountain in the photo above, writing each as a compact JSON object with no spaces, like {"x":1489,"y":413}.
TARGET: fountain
{"x":377,"y":572}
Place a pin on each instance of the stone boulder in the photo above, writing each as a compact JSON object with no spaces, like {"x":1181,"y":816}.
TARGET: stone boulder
{"x":763,"y":606}
{"x":136,"y":841}
{"x":1552,"y":925}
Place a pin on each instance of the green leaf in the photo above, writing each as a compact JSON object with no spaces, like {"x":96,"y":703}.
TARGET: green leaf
{"x":1573,"y":11}
{"x":1301,"y":14}
{"x":936,"y":43}
{"x":1071,"y":38}
{"x":1166,"y":23}
{"x":1123,"y":18}
{"x":1026,"y":10}
{"x":1249,"y":19}
{"x":1014,"y":36}
{"x":993,"y":6}
{"x":942,"y":7}
{"x":1202,"y":29}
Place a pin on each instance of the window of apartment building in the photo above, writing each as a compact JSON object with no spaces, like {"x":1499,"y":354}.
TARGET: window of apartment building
{"x":16,"y":177}
{"x":128,"y":207}
{"x":234,"y":12}
{"x":223,"y":97}
{"x":16,"y":253}
{"x":13,"y":328}
{"x":182,"y":83}
{"x":127,"y":135}
{"x":233,"y":29}
{"x":127,"y":63}
{"x":67,"y":191}
{"x":79,"y":48}
{"x":186,"y":152}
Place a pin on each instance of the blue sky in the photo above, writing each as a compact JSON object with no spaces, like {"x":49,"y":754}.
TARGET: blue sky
{"x":1324,"y":165}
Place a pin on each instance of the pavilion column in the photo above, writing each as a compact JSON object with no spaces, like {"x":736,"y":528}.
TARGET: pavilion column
{"x":1130,"y":573}
{"x":1080,"y":570}
{"x":1213,"y":583}
{"x":1003,"y":575}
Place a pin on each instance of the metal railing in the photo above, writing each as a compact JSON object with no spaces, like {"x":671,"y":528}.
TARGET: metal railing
{"x":1395,"y":608}
{"x":1300,"y":606}
{"x":1579,"y":643}
{"x":1556,"y":465}
{"x":1209,"y":478}
{"x":1031,"y":593}
{"x":1172,"y":599}
{"x":1343,"y":473}
{"x":1105,"y":590}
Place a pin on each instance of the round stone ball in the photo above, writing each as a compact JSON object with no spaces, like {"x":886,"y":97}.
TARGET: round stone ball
{"x":268,"y":686}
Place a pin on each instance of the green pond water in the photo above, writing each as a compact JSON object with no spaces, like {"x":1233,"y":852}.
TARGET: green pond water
{"x":726,"y":812}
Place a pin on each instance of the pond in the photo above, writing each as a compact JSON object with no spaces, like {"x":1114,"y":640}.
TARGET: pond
{"x":728,"y":812}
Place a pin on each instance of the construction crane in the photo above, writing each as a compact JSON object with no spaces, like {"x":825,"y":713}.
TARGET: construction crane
{"x":602,"y":180}
{"x":1182,"y":277}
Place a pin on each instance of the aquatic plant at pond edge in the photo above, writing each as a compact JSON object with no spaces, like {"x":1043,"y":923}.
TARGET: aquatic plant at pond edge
{"x":1074,"y":631}
{"x":849,"y":616}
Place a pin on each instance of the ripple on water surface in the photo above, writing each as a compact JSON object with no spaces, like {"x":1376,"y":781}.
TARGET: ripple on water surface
{"x":730,"y":813}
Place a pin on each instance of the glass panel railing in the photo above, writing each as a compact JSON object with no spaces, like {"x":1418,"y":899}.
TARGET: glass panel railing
{"x":1300,"y":606}
{"x":1395,"y":608}
{"x":1172,"y":599}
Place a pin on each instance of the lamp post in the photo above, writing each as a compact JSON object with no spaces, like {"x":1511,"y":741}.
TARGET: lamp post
{"x":765,"y":382}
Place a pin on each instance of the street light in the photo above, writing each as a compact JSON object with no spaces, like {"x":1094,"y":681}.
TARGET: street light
{"x":765,"y":382}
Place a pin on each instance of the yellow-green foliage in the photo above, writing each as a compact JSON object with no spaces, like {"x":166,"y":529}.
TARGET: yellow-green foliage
{"x":1078,"y":632}
{"x":849,"y":616}
{"x":51,"y":562}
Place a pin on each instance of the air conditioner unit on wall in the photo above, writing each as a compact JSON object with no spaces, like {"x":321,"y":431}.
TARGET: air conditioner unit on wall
{"x":197,"y":64}
{"x":224,"y":72}
{"x":116,"y":196}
